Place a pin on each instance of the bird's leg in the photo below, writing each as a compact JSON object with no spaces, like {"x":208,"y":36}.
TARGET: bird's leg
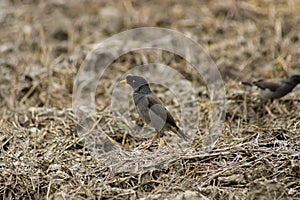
{"x":161,"y":143}
{"x":265,"y":103}
{"x":147,"y":145}
{"x":161,"y":140}
{"x":269,"y":111}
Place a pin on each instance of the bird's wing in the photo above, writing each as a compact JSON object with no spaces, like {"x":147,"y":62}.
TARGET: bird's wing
{"x":158,"y":113}
{"x":271,"y":84}
{"x":157,"y":107}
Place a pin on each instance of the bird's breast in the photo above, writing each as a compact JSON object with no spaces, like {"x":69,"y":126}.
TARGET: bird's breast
{"x":142,"y":107}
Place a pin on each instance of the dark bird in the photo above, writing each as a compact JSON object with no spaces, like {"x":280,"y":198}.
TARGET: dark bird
{"x":152,"y":110}
{"x":275,"y":88}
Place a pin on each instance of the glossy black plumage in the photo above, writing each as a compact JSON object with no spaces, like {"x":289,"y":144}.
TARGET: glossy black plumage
{"x":151,"y":109}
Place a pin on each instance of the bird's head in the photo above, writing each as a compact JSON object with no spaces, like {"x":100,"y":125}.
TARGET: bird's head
{"x":295,"y":79}
{"x":135,"y":82}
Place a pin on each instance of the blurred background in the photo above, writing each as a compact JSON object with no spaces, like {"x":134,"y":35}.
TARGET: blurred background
{"x":43,"y":40}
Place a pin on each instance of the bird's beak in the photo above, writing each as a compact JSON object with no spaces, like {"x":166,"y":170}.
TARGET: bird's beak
{"x":123,"y":81}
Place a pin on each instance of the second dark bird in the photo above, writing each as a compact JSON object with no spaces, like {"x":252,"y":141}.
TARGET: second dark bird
{"x":275,"y":88}
{"x":152,"y":110}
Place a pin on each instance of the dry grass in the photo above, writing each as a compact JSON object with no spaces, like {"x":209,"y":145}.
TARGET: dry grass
{"x":42,"y":45}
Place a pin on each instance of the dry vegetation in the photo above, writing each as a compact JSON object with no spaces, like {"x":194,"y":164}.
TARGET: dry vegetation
{"x":43,"y":43}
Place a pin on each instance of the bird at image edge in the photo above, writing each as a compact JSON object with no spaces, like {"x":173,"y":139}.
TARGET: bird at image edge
{"x":152,"y":111}
{"x":275,"y":88}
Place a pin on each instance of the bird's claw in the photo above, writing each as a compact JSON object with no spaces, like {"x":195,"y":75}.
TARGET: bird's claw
{"x":149,"y":144}
{"x":144,"y":146}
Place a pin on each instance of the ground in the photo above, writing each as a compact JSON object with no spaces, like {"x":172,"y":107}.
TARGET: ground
{"x":44,"y":43}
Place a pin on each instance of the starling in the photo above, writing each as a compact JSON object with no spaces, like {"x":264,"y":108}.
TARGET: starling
{"x":152,"y":111}
{"x":275,"y":88}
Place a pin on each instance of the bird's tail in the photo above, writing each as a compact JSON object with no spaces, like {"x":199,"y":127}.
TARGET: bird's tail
{"x":247,"y":83}
{"x":182,"y":135}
